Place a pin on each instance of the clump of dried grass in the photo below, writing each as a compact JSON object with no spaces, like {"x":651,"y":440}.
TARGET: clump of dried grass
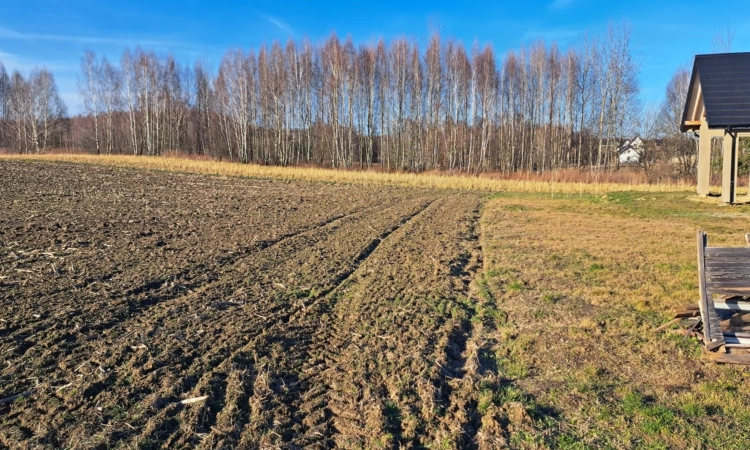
{"x":548,"y":184}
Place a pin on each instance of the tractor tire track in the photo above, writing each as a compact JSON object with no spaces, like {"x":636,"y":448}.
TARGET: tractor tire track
{"x":263,"y":341}
{"x":158,"y":290}
{"x":340,"y":397}
{"x":218,"y":359}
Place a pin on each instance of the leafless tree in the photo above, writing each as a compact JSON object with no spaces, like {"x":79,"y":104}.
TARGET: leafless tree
{"x":89,"y":89}
{"x":235,"y":93}
{"x":434,"y":98}
{"x":20,"y":104}
{"x":111,"y":99}
{"x":723,"y":39}
{"x":204,"y":106}
{"x":650,"y":132}
{"x":47,"y":109}
{"x":5,"y":91}
{"x":682,"y":147}
{"x":388,"y":103}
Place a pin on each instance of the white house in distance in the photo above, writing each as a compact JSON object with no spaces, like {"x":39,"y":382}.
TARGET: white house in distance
{"x":630,"y":151}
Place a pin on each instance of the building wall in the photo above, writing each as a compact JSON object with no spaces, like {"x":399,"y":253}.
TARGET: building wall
{"x":629,"y":156}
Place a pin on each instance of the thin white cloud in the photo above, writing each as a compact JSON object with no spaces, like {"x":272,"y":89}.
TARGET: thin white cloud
{"x":7,"y":33}
{"x":10,"y":34}
{"x":13,"y":62}
{"x":561,"y":4}
{"x":7,"y":57}
{"x":281,"y":25}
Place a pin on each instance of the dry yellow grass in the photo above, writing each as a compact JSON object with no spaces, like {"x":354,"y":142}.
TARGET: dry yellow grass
{"x":438,"y":181}
{"x":583,"y":283}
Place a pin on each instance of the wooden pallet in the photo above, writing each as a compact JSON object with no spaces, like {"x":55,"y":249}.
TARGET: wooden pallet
{"x":722,"y":315}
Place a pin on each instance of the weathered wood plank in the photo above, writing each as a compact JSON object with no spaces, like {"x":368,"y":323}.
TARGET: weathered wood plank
{"x":702,"y":286}
{"x":739,"y":285}
{"x":729,"y":358}
{"x":712,"y":337}
{"x":727,"y":251}
{"x":728,"y":269}
{"x":723,"y":248}
{"x":686,"y":308}
{"x":729,"y":279}
{"x":729,"y":256}
{"x":716,"y":260}
{"x":714,"y":264}
{"x":667,"y":325}
{"x":727,"y":263}
{"x":717,"y":271}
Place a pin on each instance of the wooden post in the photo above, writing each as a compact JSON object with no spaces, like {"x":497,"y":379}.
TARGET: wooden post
{"x":704,"y":159}
{"x":729,"y":169}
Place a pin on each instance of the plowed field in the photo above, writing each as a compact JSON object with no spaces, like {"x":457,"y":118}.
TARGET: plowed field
{"x":294,"y":314}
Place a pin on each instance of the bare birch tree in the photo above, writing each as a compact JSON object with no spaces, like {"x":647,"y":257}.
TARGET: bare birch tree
{"x":89,"y":89}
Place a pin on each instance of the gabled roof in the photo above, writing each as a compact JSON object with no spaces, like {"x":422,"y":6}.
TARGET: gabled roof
{"x":720,"y":89}
{"x":629,"y":143}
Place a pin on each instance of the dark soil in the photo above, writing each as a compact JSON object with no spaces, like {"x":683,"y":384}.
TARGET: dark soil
{"x":309,"y":315}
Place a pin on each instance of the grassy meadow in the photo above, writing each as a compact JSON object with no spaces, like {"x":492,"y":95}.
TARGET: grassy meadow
{"x":581,"y":283}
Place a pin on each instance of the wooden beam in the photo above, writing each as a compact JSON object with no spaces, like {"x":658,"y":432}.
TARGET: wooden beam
{"x":668,"y":324}
{"x":704,"y":160}
{"x":692,"y":123}
{"x":698,"y":100}
{"x":729,"y":358}
{"x":712,"y":337}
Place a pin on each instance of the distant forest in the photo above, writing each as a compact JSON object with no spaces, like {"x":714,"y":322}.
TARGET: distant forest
{"x":339,"y":104}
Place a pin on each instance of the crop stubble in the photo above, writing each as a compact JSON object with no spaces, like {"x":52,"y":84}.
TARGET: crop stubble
{"x":310,"y":315}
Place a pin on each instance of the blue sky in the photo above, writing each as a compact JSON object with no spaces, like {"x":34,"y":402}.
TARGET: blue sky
{"x":667,"y":33}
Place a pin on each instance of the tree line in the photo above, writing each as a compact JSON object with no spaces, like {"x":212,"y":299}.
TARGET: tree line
{"x":32,"y":114}
{"x":393,"y":104}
